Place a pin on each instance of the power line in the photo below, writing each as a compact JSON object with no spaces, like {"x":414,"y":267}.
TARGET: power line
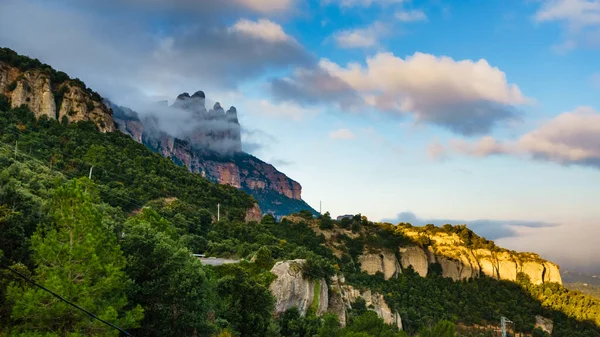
{"x":64,"y":300}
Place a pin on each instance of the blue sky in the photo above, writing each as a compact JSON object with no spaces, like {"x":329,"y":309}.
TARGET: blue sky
{"x":397,"y":109}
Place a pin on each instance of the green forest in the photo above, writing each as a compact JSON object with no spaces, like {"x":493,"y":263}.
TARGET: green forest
{"x":120,"y":245}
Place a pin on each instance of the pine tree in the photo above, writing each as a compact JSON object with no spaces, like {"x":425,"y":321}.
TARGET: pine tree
{"x":79,"y":259}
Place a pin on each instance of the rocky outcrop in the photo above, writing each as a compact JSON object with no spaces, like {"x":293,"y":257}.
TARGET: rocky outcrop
{"x":253,"y":214}
{"x":56,"y":99}
{"x":78,"y":106}
{"x":460,"y":262}
{"x":291,"y":289}
{"x":416,"y":258}
{"x":374,"y":301}
{"x":275,"y":192}
{"x":384,"y":262}
{"x":545,"y":324}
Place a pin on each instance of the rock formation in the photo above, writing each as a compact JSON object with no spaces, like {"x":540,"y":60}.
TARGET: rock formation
{"x":58,"y":99}
{"x":383,"y":261}
{"x":459,"y":262}
{"x":222,"y":162}
{"x":291,"y":289}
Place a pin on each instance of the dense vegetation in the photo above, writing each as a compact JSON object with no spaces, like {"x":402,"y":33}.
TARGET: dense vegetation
{"x":120,"y":245}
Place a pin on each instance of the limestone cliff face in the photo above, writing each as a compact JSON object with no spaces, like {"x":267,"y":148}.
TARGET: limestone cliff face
{"x":416,"y":258}
{"x":459,"y":262}
{"x":275,"y":192}
{"x":291,"y":289}
{"x":78,"y":106}
{"x":253,"y":214}
{"x":63,"y":97}
{"x":383,"y":261}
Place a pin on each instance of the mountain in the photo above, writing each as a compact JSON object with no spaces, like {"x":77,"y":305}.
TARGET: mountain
{"x":212,"y":147}
{"x":124,"y":246}
{"x":50,"y":93}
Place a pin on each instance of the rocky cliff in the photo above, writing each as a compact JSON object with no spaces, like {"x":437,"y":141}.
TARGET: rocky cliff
{"x":429,"y":249}
{"x":292,"y":289}
{"x":210,"y":143}
{"x":50,"y":93}
{"x":211,"y":146}
{"x":458,"y":261}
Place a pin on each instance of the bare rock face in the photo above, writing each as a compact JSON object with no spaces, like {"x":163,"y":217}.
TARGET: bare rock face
{"x":552,"y":273}
{"x":450,"y":268}
{"x":291,"y":289}
{"x":545,"y":324}
{"x":416,"y":258}
{"x":34,"y":88}
{"x":384,"y":262}
{"x":253,"y":214}
{"x":78,"y":106}
{"x":460,"y":262}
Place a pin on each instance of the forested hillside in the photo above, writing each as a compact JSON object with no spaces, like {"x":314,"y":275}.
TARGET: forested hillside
{"x":120,"y":245}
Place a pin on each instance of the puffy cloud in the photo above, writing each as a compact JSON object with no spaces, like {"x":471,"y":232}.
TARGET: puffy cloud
{"x":267,"y":6}
{"x":261,"y":29}
{"x":360,"y":37}
{"x":411,"y":15}
{"x":342,"y":134}
{"x":490,"y":229}
{"x":468,"y":97}
{"x":569,"y":138}
{"x":123,"y":58}
{"x":315,"y":86}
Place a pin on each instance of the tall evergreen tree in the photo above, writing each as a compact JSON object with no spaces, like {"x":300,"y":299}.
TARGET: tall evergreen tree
{"x":77,"y":258}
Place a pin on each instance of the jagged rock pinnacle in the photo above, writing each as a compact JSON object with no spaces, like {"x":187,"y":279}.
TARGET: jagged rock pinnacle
{"x":199,"y":94}
{"x":183,"y":96}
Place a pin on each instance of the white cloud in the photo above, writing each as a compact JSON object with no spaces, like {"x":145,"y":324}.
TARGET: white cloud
{"x":469,"y":97}
{"x":360,"y":37}
{"x":262,"y":29}
{"x":342,"y":134}
{"x":411,"y":15}
{"x":577,"y":16}
{"x":283,"y":109}
{"x":569,"y":138}
{"x":268,"y":6}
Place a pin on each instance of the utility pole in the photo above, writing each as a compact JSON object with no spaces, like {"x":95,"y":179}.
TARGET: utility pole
{"x":320,"y":207}
{"x":218,"y":212}
{"x":91,"y":168}
{"x":503,"y":321}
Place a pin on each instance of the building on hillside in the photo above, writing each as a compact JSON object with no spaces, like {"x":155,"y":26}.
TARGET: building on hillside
{"x":347,"y":216}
